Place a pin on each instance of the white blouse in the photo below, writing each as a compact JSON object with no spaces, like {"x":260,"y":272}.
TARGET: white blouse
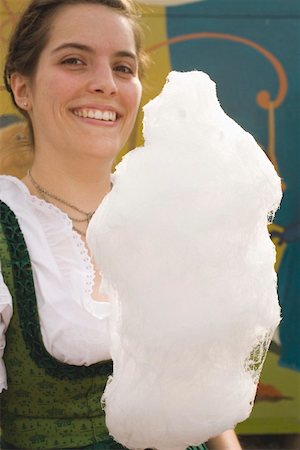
{"x":74,"y":327}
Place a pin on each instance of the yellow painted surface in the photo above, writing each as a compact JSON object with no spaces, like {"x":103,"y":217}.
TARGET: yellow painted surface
{"x":9,"y":12}
{"x":154,"y":26}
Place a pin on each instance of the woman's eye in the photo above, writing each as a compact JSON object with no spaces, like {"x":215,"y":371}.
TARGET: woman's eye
{"x":73,"y":61}
{"x":124,"y":69}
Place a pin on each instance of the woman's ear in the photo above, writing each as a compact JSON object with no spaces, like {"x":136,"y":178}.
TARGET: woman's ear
{"x":20,"y":87}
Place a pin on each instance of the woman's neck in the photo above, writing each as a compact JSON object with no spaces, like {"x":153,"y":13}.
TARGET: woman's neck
{"x":83,"y":184}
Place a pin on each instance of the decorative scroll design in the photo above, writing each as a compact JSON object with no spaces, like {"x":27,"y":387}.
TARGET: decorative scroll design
{"x":263,"y":97}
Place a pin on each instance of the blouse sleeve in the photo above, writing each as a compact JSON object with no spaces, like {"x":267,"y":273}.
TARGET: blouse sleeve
{"x":6,"y":310}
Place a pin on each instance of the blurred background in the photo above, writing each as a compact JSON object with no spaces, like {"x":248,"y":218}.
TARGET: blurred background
{"x":251,"y":49}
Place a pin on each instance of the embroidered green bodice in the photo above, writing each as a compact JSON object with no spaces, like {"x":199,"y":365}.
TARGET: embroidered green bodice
{"x":48,"y":404}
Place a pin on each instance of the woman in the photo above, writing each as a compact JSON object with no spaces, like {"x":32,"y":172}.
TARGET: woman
{"x":73,"y":70}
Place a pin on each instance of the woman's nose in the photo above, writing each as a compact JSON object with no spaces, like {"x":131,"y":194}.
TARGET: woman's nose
{"x":103,"y":81}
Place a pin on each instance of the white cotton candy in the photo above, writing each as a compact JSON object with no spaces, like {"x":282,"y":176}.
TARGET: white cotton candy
{"x":186,"y":258}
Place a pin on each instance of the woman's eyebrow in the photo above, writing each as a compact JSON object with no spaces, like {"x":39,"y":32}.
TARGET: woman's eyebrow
{"x":75,"y":45}
{"x":126,"y":54}
{"x":86,"y":48}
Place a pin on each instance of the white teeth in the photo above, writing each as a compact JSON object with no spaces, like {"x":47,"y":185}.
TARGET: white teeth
{"x":96,"y":114}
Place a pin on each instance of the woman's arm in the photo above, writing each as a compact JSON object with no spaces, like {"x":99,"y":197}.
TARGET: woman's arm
{"x":224,"y":441}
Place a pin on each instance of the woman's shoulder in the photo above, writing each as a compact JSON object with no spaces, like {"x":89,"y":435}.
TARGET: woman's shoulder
{"x":14,"y":193}
{"x":19,"y":199}
{"x":10,"y":182}
{"x":12,"y":190}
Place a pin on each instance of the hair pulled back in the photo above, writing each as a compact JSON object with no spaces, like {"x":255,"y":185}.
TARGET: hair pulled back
{"x":32,"y":33}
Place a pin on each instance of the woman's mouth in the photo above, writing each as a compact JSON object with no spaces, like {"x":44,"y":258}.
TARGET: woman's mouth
{"x":106,"y":116}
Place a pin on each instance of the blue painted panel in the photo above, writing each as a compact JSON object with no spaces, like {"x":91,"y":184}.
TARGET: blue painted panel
{"x":253,"y":8}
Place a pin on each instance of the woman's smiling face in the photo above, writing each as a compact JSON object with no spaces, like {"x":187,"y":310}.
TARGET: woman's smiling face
{"x":85,"y":93}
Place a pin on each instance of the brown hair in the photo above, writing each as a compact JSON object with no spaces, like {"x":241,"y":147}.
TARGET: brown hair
{"x":32,"y":33}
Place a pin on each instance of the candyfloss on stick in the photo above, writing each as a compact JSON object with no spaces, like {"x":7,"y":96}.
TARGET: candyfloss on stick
{"x":187,"y":262}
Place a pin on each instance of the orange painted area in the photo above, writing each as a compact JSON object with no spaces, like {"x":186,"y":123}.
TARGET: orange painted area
{"x":269,"y":393}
